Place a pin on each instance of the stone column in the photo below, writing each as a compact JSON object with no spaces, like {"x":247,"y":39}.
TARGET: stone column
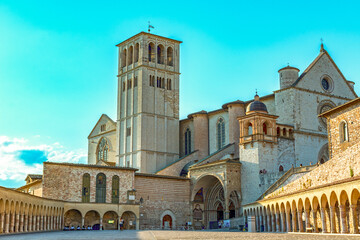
{"x":2,"y":218}
{"x":294,"y":216}
{"x":12,"y":224}
{"x":17,"y":222}
{"x":262,"y":226}
{"x":26,"y":223}
{"x":273,"y":216}
{"x":283,"y":222}
{"x":7,"y":225}
{"x":269,"y":222}
{"x":34,"y":223}
{"x":265,"y":223}
{"x":118,"y":223}
{"x":83,"y":221}
{"x":38,"y":223}
{"x":307,"y":218}
{"x":137,"y":224}
{"x":301,"y":226}
{"x":51,"y":223}
{"x":332,"y":220}
{"x":323,"y":220}
{"x":21,"y":223}
{"x":42,"y":223}
{"x":45,"y":223}
{"x":101,"y":220}
{"x":288,"y":221}
{"x":354,"y":228}
{"x":344,"y":228}
{"x":314,"y":213}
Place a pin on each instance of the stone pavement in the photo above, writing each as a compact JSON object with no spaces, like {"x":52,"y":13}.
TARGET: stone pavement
{"x":159,"y":235}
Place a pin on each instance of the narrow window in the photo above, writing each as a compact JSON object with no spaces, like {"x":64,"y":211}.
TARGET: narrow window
{"x":284,"y":132}
{"x":250,"y":130}
{"x":170,"y":56}
{"x":103,"y":128}
{"x":344,"y":136}
{"x":86,"y":188}
{"x":136,"y":56}
{"x":123,"y":58}
{"x":124,"y":86}
{"x":187,"y":141}
{"x":278,"y":131}
{"x":281,"y":168}
{"x":163,"y":83}
{"x":151,"y":52}
{"x":160,"y":54}
{"x":130,"y":59}
{"x":135,"y":81}
{"x":220,"y":133}
{"x":153,"y":81}
{"x":100,"y":188}
{"x":115,"y":189}
{"x":265,"y":128}
{"x":128,"y":131}
{"x":168,"y":84}
{"x":102,"y":150}
{"x":158,"y":82}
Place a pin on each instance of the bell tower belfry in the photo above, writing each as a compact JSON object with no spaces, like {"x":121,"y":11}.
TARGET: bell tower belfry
{"x":148,"y":102}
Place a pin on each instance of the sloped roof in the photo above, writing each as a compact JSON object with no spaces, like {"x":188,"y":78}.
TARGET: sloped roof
{"x":322,"y":53}
{"x":102,"y":116}
{"x":33,"y":176}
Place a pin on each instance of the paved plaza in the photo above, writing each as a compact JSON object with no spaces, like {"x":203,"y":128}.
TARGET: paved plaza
{"x":157,"y":235}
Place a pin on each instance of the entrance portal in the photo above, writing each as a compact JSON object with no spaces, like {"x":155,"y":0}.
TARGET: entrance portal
{"x":167,"y":222}
{"x":220,"y":212}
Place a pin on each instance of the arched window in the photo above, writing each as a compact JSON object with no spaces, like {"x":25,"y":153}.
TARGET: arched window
{"x":123,"y":58}
{"x":151,"y":52}
{"x":101,"y":188}
{"x":344,"y":135}
{"x":130,"y":57}
{"x":160,"y":54}
{"x":281,"y":168}
{"x":199,"y":196}
{"x":265,"y":128}
{"x":115,"y":189}
{"x":136,"y":56}
{"x":170,"y":56}
{"x":102,"y":150}
{"x":187,"y":141}
{"x":249,"y":129}
{"x":86,"y":188}
{"x":168,"y":84}
{"x":220,"y":133}
{"x":278,"y":131}
{"x":284,"y":132}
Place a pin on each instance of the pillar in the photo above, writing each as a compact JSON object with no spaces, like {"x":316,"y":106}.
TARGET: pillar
{"x":354,"y":228}
{"x":2,"y":218}
{"x":7,"y":224}
{"x":269,"y":222}
{"x":38,"y":223}
{"x":283,"y":222}
{"x":41,"y":223}
{"x":25,"y":223}
{"x":307,"y":218}
{"x":301,"y":226}
{"x":332,"y":220}
{"x":294,"y":216}
{"x":265,"y":223}
{"x":316,"y":228}
{"x":17,"y":222}
{"x":34,"y":223}
{"x":83,"y":221}
{"x":45,"y":223}
{"x":288,"y":221}
{"x":344,"y":228}
{"x":12,"y":223}
{"x":273,"y":216}
{"x":118,"y":223}
{"x":101,"y":220}
{"x":137,"y":224}
{"x":323,"y":220}
{"x":277,"y":217}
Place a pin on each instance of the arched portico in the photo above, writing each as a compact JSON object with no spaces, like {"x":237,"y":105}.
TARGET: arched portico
{"x":129,"y":219}
{"x":167,"y":220}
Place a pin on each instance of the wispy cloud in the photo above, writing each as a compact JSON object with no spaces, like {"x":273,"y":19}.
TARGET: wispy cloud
{"x":18,"y":157}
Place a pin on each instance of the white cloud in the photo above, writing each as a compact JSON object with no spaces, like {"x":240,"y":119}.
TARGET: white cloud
{"x":18,"y":157}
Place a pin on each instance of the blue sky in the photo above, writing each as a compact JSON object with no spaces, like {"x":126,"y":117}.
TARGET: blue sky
{"x":58,"y":62}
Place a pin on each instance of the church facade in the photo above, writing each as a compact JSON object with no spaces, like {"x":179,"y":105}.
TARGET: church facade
{"x":156,"y":171}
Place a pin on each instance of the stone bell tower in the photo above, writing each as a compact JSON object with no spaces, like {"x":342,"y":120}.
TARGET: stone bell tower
{"x":148,"y":102}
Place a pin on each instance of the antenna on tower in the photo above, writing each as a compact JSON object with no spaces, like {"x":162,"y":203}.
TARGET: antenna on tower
{"x":150,"y":26}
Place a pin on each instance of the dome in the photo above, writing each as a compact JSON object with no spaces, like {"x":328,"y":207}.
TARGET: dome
{"x":256,"y":106}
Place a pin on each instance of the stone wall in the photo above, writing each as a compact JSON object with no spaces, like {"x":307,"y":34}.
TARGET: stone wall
{"x":64,"y":181}
{"x":162,"y":195}
{"x":175,"y":168}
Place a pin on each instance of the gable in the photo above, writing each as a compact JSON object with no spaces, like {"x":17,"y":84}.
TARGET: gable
{"x":324,"y":67}
{"x":107,"y":122}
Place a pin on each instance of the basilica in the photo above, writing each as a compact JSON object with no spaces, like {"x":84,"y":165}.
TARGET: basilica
{"x":235,"y":164}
